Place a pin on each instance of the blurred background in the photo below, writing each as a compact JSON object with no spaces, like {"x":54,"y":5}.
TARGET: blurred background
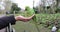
{"x":47,"y":14}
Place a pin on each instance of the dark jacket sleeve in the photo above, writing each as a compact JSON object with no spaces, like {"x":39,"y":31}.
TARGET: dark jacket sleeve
{"x":4,"y":21}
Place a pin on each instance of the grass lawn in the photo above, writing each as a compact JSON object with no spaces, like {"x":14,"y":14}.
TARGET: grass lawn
{"x":25,"y":27}
{"x":29,"y":27}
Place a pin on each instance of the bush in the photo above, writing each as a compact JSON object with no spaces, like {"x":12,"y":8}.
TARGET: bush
{"x":29,"y":11}
{"x":58,"y":10}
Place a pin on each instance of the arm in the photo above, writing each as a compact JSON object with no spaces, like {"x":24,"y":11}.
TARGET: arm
{"x":4,"y":21}
{"x":24,"y":19}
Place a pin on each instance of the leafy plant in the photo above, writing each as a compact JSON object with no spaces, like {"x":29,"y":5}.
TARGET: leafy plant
{"x":29,"y":11}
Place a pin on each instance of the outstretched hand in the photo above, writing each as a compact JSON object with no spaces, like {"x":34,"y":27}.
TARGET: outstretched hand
{"x":24,"y":19}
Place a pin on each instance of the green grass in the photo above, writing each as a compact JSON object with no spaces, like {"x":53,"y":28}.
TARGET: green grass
{"x":29,"y":27}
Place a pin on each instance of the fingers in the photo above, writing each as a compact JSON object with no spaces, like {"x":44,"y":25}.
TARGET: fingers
{"x":33,"y":15}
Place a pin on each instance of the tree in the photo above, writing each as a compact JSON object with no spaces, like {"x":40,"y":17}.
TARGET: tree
{"x":47,"y":6}
{"x":57,"y":2}
{"x":14,"y":7}
{"x":5,"y":5}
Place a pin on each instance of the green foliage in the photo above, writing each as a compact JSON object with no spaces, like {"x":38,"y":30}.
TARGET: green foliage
{"x":27,"y":8}
{"x":14,"y":7}
{"x":29,"y":11}
{"x":58,"y":30}
{"x":43,"y":18}
{"x":50,"y":18}
{"x":57,"y":10}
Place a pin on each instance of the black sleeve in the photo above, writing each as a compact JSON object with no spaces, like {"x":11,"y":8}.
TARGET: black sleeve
{"x":4,"y":21}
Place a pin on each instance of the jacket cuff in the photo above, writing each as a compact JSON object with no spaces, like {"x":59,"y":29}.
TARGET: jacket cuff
{"x":12,"y":19}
